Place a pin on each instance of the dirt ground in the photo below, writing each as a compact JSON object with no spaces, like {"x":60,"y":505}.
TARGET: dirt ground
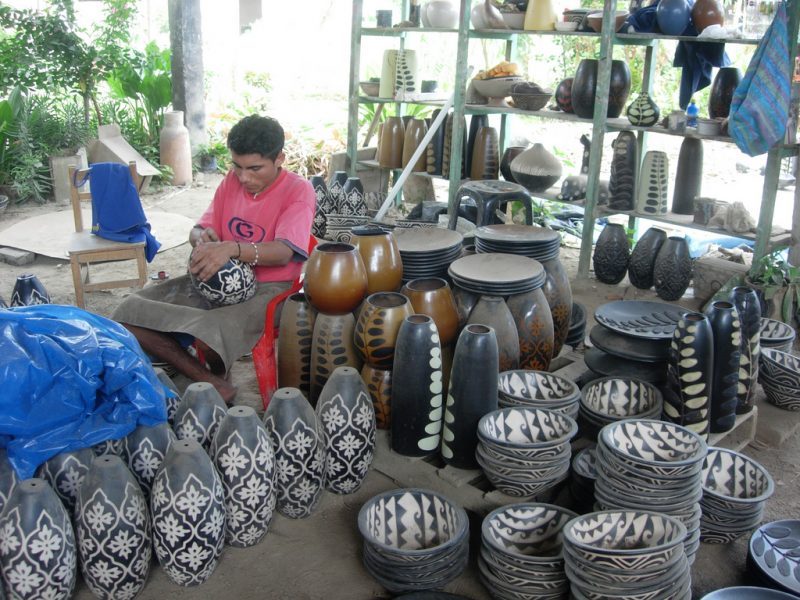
{"x":319,"y":557}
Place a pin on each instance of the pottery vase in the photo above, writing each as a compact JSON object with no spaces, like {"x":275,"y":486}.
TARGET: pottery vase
{"x":476,"y":123}
{"x":509,"y":154}
{"x":406,"y":80}
{"x":643,"y":111}
{"x":392,"y":140}
{"x":335,"y":198}
{"x":584,"y":88}
{"x":540,"y":15}
{"x":749,"y":308}
{"x":294,"y":343}
{"x":672,"y":271}
{"x":417,"y":405}
{"x":199,"y":414}
{"x":563,"y":95}
{"x":558,"y":293}
{"x":322,"y":207}
{"x":112,"y":529}
{"x":725,"y":83}
{"x":331,"y":347}
{"x":66,"y":473}
{"x":673,"y":16}
{"x":611,"y":254}
{"x":690,"y":374}
{"x":8,"y":478}
{"x":376,"y":329}
{"x":352,"y":201}
{"x":536,"y":168}
{"x":689,"y":176}
{"x":336,"y":279}
{"x":108,"y":448}
{"x":172,"y":397}
{"x":38,"y":557}
{"x":651,"y":195}
{"x":624,"y":165}
{"x":415,"y":131}
{"x":299,"y":453}
{"x":435,"y":147}
{"x":242,"y":453}
{"x":534,"y":323}
{"x":725,"y":325}
{"x":175,"y":150}
{"x":188,"y":512}
{"x":323,"y":195}
{"x":381,"y":258}
{"x":379,"y":386}
{"x":440,"y":14}
{"x":144,"y":450}
{"x":706,"y":13}
{"x":465,"y":302}
{"x":485,"y":155}
{"x":346,"y":420}
{"x":643,"y":258}
{"x":493,"y":312}
{"x":29,"y":291}
{"x":472,"y":393}
{"x":388,"y":74}
{"x":433,"y":296}
{"x":449,"y":126}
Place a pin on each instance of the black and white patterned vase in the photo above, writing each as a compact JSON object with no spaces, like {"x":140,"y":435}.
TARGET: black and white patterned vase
{"x":112,"y":529}
{"x":144,"y":450}
{"x":351,"y":201}
{"x":199,"y":414}
{"x":624,"y":168}
{"x":38,"y":558}
{"x":173,"y":399}
{"x":346,"y":420}
{"x":672,"y":271}
{"x":335,"y":186}
{"x":643,"y":111}
{"x":8,"y":478}
{"x":406,"y":72}
{"x":233,"y":283}
{"x":611,"y":254}
{"x":245,"y":461}
{"x":66,"y":472}
{"x":29,"y":291}
{"x":108,"y":448}
{"x":299,"y":452}
{"x":651,"y":195}
{"x":323,"y":207}
{"x":724,"y":319}
{"x":187,"y":508}
{"x":748,"y":306}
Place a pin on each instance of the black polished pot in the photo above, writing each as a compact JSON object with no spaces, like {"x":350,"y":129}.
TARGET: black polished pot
{"x":725,"y":83}
{"x":584,"y":88}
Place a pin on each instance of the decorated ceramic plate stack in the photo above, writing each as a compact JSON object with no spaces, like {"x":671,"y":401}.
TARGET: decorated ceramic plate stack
{"x":521,"y":551}
{"x":652,"y":465}
{"x":497,"y":274}
{"x":735,"y":490}
{"x":779,"y":375}
{"x":777,"y":334}
{"x":611,"y":399}
{"x":413,"y":539}
{"x":631,"y":554}
{"x":538,"y":389}
{"x":427,"y":252}
{"x":525,"y":452}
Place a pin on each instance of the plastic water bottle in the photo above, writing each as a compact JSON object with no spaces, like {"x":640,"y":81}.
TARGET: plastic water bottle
{"x":691,"y":114}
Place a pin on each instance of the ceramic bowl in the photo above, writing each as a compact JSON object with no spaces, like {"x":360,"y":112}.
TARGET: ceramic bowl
{"x":515,"y":20}
{"x":537,"y":388}
{"x":521,"y":582}
{"x":781,"y":368}
{"x":735,"y":479}
{"x":786,"y":399}
{"x":566,"y":25}
{"x":235,"y":282}
{"x":518,"y":469}
{"x":495,"y":87}
{"x":500,"y":588}
{"x":526,"y":428}
{"x":748,"y":593}
{"x":535,"y":457}
{"x":370,"y":88}
{"x":774,"y":332}
{"x":526,"y":489}
{"x":530,"y":532}
{"x":595,"y":20}
{"x":613,"y":398}
{"x":603,"y":573}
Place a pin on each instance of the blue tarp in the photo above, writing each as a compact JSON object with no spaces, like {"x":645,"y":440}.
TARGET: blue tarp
{"x":70,"y":379}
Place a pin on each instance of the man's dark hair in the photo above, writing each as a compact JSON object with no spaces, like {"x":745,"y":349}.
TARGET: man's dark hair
{"x":257,"y":135}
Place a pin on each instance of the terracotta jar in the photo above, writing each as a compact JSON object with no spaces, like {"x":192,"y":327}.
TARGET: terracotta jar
{"x":336,"y":279}
{"x":415,"y":131}
{"x":706,"y":13}
{"x":392,"y":140}
{"x":377,"y":325}
{"x":175,"y":150}
{"x":378,"y":250}
{"x":432,"y":296}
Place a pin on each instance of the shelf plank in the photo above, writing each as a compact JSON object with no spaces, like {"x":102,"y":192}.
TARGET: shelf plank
{"x":648,"y":38}
{"x":484,"y":109}
{"x":378,"y":100}
{"x":620,"y":124}
{"x":399,"y":31}
{"x":504,"y":34}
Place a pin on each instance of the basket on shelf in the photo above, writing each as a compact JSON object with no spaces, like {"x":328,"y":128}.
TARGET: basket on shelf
{"x":531,"y":101}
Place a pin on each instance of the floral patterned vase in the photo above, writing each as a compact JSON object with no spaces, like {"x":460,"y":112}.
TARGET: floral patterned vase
{"x":145,"y":449}
{"x":65,"y":472}
{"x":199,"y":414}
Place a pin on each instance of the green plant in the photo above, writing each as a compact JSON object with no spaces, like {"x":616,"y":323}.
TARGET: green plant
{"x":214,"y":153}
{"x":779,"y":282}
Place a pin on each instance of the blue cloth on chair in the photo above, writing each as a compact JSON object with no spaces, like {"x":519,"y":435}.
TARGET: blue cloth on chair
{"x":117,"y":212}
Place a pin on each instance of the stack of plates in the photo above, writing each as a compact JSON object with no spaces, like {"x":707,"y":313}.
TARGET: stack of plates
{"x":525,"y":452}
{"x":413,"y":539}
{"x":777,"y":335}
{"x":772,"y":557}
{"x":538,"y":389}
{"x":652,"y":465}
{"x":779,"y":375}
{"x":735,"y":490}
{"x":584,"y":474}
{"x":525,"y":240}
{"x":631,"y":554}
{"x":610,"y":399}
{"x":521,"y":554}
{"x":577,"y":325}
{"x":497,"y":274}
{"x":427,"y":252}
{"x":338,"y":227}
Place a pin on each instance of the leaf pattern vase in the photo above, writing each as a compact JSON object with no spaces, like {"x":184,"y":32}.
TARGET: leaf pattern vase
{"x":376,"y":329}
{"x":643,"y":111}
{"x":651,"y":195}
{"x":66,"y":472}
{"x":726,"y":327}
{"x":331,"y":347}
{"x":749,"y":308}
{"x":144,"y":450}
{"x":294,"y":343}
{"x":624,"y":168}
{"x":379,"y":385}
{"x":199,"y":414}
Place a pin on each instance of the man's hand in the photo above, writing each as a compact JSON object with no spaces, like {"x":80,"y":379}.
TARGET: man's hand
{"x":207,"y":257}
{"x":208,"y":235}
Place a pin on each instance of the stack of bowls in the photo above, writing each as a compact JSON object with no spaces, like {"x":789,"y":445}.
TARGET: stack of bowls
{"x":538,"y":389}
{"x":777,"y":335}
{"x":779,"y":375}
{"x":413,"y":539}
{"x":735,"y":490}
{"x":611,"y":399}
{"x":521,"y":551}
{"x":652,"y":465}
{"x":525,"y":452}
{"x":631,"y":554}
{"x":584,"y":474}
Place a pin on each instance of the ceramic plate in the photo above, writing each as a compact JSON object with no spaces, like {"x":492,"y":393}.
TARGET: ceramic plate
{"x":775,"y":551}
{"x":426,"y":239}
{"x":640,"y":318}
{"x":609,"y":365}
{"x":625,"y":346}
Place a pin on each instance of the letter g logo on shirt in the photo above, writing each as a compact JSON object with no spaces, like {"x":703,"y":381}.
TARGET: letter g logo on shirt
{"x":244,"y":230}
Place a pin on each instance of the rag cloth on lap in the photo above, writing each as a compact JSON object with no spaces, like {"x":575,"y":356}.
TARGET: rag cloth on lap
{"x":175,"y":306}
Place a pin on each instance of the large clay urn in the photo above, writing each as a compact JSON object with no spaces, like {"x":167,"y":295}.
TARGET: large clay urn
{"x":381,"y":256}
{"x":584,"y":88}
{"x":725,"y":83}
{"x":432,"y":296}
{"x":377,"y":325}
{"x":175,"y":151}
{"x":706,"y":13}
{"x":336,"y":279}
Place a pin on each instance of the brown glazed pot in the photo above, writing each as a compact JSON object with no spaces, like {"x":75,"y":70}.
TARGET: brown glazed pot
{"x":392,"y":139}
{"x":377,"y":325}
{"x":331,"y":347}
{"x":381,"y":257}
{"x":707,"y":12}
{"x":415,"y":131}
{"x":485,"y":162}
{"x":493,"y":312}
{"x":336,"y":279}
{"x":379,"y":384}
{"x":534,"y":322}
{"x":294,"y":343}
{"x":432,"y":296}
{"x":558,"y":293}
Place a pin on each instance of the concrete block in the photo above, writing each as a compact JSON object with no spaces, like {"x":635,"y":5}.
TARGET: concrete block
{"x":775,"y":425}
{"x":16,"y":257}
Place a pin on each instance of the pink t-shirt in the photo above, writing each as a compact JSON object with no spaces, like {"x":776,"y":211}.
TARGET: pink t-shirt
{"x":283,"y":212}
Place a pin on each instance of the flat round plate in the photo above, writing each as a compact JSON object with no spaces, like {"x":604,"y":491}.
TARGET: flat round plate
{"x":516,"y":234}
{"x":640,"y":318}
{"x":775,"y":553}
{"x":497,"y":268}
{"x":426,"y":239}
{"x":625,"y":346}
{"x":609,"y":365}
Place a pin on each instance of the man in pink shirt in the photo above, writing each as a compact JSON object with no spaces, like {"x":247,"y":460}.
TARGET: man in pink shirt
{"x":261,"y":214}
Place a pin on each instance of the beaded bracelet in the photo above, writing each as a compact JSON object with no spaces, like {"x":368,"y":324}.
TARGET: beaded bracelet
{"x":238,"y":251}
{"x":255,"y":260}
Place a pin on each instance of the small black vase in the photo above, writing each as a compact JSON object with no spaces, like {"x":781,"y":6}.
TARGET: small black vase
{"x":689,"y":176}
{"x":749,"y":308}
{"x":726,"y":327}
{"x":335,"y":186}
{"x":672,"y":271}
{"x":509,"y":154}
{"x":611,"y":254}
{"x":643,"y":258}
{"x":323,"y":207}
{"x":584,"y":88}
{"x":28,"y":290}
{"x":725,"y":83}
{"x":624,"y":164}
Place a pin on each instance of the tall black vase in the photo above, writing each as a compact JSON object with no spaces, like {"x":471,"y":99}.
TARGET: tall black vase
{"x":472,"y":394}
{"x":746,"y":302}
{"x":335,"y":186}
{"x":690,"y":374}
{"x":689,"y":176}
{"x":643,"y":258}
{"x":725,"y":324}
{"x":584,"y":88}
{"x":725,"y":83}
{"x":448,"y":142}
{"x":624,"y":164}
{"x":672,"y":271}
{"x":324,"y":205}
{"x":476,"y":122}
{"x":435,"y":147}
{"x":611,"y":254}
{"x":351,"y":201}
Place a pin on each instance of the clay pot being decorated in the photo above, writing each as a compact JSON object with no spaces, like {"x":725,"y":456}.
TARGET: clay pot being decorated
{"x":112,"y":528}
{"x":199,"y":414}
{"x":38,"y":557}
{"x":8,"y":478}
{"x":338,"y":179}
{"x":295,"y":343}
{"x":299,"y":452}
{"x":534,"y":322}
{"x":332,"y":346}
{"x":346,"y":420}
{"x":584,"y":88}
{"x":66,"y":472}
{"x":725,"y":83}
{"x":624,"y":165}
{"x":472,"y":393}
{"x":509,"y":154}
{"x":689,"y":176}
{"x":379,"y":386}
{"x":392,"y":138}
{"x":336,"y":280}
{"x":725,"y":325}
{"x":536,"y":168}
{"x":643,"y":111}
{"x":643,"y":258}
{"x":381,"y":257}
{"x":611,"y":254}
{"x":690,"y":374}
{"x":29,"y":291}
{"x":188,"y":512}
{"x":242,"y":453}
{"x":672,"y":271}
{"x":172,"y":397}
{"x":415,"y":131}
{"x":706,"y":13}
{"x":485,"y":155}
{"x":558,"y":293}
{"x":493,"y":312}
{"x":563,"y":95}
{"x":651,"y":196}
{"x":233,"y":283}
{"x":351,"y":201}
{"x":433,"y":297}
{"x":144,"y":450}
{"x":376,"y":327}
{"x":673,"y":16}
{"x":749,"y":308}
{"x":435,"y":148}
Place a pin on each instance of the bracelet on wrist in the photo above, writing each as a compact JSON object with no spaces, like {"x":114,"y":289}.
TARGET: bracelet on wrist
{"x":255,"y":259}
{"x":238,"y":250}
